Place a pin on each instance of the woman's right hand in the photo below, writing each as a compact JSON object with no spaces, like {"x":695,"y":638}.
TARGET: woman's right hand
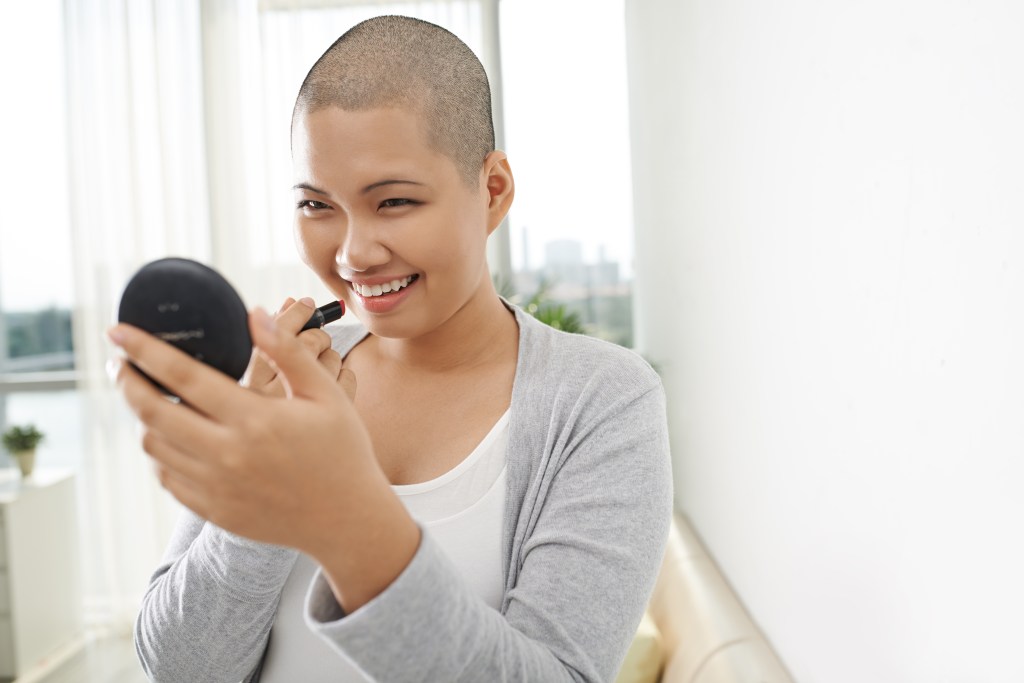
{"x":262,"y":376}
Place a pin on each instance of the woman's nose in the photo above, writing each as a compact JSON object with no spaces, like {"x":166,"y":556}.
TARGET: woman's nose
{"x":361,"y":250}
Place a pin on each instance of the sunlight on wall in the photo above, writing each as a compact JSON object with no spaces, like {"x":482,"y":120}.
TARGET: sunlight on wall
{"x":828,"y":199}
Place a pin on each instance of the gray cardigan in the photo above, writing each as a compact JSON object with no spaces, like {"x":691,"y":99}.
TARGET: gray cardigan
{"x":588,"y":507}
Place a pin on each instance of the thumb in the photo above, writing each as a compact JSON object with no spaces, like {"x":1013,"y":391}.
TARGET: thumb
{"x":300,"y":372}
{"x":347,"y":380}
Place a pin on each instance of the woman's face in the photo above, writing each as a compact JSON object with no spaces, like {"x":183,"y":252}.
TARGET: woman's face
{"x":386,"y":222}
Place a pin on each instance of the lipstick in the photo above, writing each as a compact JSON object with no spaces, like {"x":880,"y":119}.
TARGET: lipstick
{"x":327,"y":313}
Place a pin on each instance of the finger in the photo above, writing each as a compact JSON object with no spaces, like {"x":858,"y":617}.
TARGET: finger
{"x":260,"y":371}
{"x":317,"y":341}
{"x":170,"y":456}
{"x":296,"y":315}
{"x":200,"y":386}
{"x":191,"y":430}
{"x":331,"y":362}
{"x":302,"y":375}
{"x":287,"y":302}
{"x":275,"y":388}
{"x":184,"y":490}
{"x":271,"y":387}
{"x":347,"y":380}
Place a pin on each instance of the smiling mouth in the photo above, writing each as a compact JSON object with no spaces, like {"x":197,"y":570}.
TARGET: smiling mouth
{"x":370,"y":291}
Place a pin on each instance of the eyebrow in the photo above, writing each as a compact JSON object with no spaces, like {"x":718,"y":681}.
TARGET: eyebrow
{"x":311,"y":188}
{"x":368,"y":188}
{"x":382,"y":183}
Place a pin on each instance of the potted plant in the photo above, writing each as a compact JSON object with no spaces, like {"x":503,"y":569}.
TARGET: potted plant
{"x":21,"y":443}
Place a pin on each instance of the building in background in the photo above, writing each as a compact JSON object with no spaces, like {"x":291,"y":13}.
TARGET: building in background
{"x":594,"y":290}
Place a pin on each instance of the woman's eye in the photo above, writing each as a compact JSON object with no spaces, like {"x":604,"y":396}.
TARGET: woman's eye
{"x":392,"y":203}
{"x":311,"y":205}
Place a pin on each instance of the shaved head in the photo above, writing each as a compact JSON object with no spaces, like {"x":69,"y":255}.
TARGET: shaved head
{"x":394,"y":61}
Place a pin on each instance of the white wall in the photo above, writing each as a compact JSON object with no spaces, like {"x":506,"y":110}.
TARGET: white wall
{"x":830,"y":270}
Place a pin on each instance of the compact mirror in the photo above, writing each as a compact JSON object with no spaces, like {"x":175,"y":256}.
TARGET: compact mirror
{"x":190,"y":306}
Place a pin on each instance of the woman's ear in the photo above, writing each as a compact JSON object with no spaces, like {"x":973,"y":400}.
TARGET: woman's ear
{"x":500,"y":187}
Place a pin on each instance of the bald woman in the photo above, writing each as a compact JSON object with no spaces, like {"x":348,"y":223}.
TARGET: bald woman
{"x":447,"y":491}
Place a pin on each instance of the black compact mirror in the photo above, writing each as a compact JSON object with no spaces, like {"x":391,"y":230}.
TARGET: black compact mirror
{"x":190,"y":306}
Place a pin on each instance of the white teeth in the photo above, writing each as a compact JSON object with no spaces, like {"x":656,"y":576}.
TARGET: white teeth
{"x":384,"y":288}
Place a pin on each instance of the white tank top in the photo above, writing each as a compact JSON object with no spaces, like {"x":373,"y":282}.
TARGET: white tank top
{"x":462,"y":509}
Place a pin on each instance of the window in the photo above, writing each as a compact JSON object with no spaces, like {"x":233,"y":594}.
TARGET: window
{"x":36,"y":280}
{"x":567,"y":133}
{"x":570,"y":229}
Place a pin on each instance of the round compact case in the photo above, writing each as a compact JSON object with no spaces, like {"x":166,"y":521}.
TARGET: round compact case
{"x":192,"y":307}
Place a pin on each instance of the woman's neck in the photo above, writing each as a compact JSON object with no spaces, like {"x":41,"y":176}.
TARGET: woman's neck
{"x":480,"y":333}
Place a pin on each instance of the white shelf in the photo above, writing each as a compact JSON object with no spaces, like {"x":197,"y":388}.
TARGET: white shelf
{"x":40,"y":596}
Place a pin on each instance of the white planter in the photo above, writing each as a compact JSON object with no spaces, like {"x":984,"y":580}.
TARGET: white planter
{"x":26,"y":461}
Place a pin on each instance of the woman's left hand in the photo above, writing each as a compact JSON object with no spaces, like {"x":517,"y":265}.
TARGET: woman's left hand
{"x":261,"y":375}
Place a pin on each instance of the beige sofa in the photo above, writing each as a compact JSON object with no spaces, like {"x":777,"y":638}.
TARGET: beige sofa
{"x":706,"y":636}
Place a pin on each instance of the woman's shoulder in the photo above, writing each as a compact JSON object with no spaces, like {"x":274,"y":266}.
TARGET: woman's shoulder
{"x":550,"y":356}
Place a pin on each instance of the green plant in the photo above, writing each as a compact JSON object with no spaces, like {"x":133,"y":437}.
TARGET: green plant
{"x":542,"y":308}
{"x":550,"y":313}
{"x":25,"y":438}
{"x":558,"y":317}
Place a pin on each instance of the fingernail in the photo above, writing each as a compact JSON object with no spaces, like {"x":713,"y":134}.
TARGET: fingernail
{"x":307,"y":301}
{"x":116,"y":335}
{"x":113,"y":364}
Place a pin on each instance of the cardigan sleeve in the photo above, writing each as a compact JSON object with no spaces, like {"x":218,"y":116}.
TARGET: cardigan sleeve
{"x":584,"y":573}
{"x":210,"y":605}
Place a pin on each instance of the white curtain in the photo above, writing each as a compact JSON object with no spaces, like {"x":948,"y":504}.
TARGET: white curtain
{"x":138,"y":190}
{"x":179,"y":145}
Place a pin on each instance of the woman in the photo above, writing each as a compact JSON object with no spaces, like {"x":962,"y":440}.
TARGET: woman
{"x":489,"y":504}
